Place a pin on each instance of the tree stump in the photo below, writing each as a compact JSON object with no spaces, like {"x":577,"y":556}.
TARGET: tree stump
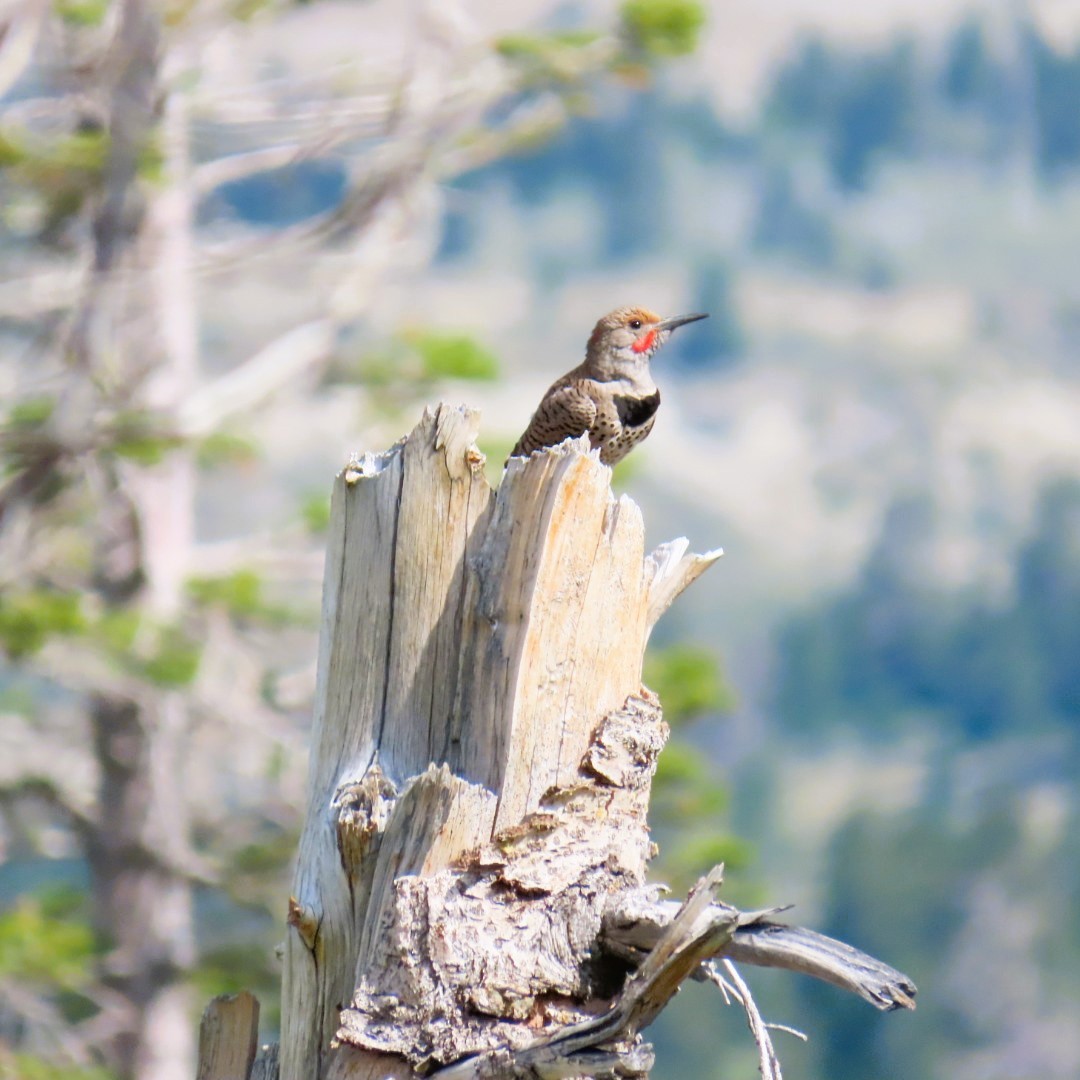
{"x":470,"y":894}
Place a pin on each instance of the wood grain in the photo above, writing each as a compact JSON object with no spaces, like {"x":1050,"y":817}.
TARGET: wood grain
{"x":227,"y":1037}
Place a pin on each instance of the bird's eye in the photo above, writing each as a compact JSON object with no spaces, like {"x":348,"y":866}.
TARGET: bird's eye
{"x":635,"y":324}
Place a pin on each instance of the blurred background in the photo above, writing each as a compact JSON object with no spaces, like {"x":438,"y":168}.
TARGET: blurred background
{"x":241,"y":239}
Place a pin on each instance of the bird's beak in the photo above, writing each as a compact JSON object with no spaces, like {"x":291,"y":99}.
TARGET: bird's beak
{"x":679,"y":320}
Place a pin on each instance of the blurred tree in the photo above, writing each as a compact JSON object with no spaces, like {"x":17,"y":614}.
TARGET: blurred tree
{"x":803,"y":90}
{"x":1048,"y":597}
{"x":931,"y":886}
{"x":142,"y":724}
{"x":788,"y":223}
{"x":723,"y":339}
{"x":874,"y":112}
{"x":896,"y":644}
{"x":857,"y":105}
{"x":616,"y":152}
{"x":915,"y":911}
{"x":689,"y":802}
{"x":1009,"y":98}
{"x":970,"y":73}
{"x":662,"y":27}
{"x":1056,"y":79}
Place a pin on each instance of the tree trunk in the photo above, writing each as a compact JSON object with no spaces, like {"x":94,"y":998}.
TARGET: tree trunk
{"x":135,"y":332}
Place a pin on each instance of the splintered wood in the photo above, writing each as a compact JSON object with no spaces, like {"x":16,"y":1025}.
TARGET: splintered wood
{"x":471,"y":810}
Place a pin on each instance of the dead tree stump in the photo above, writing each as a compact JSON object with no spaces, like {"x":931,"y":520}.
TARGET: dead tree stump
{"x":469,"y":899}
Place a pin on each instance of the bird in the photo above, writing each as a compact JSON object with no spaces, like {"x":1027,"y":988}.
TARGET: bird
{"x":610,"y":395}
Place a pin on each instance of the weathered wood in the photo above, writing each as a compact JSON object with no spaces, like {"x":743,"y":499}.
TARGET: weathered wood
{"x":385,"y":625}
{"x":227,"y":1037}
{"x":482,"y":757}
{"x":266,"y":1064}
{"x":486,"y":634}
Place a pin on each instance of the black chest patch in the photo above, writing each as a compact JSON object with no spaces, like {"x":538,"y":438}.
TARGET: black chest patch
{"x":635,"y":411}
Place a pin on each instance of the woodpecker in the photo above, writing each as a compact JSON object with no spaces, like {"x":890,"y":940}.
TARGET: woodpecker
{"x":611,"y":393}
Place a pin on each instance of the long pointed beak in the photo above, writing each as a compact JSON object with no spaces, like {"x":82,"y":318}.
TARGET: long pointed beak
{"x":679,"y":320}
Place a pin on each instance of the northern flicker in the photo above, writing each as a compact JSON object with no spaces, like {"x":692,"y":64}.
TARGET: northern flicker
{"x":611,"y":393}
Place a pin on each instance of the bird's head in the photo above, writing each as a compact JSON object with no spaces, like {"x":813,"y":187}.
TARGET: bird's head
{"x":624,"y":340}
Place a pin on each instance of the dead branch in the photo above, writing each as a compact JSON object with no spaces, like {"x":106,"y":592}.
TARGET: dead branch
{"x":639,"y":919}
{"x":46,"y":790}
{"x":257,"y":378}
{"x":768,"y":1062}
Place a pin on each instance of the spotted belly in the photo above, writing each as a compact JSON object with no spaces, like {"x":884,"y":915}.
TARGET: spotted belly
{"x":614,"y":446}
{"x":621,"y":423}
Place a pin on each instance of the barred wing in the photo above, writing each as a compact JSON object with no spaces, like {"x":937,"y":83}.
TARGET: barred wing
{"x":564,"y":412}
